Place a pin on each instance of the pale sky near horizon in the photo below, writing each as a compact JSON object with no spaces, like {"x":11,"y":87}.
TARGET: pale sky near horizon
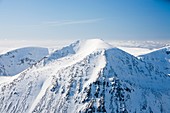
{"x":82,"y":19}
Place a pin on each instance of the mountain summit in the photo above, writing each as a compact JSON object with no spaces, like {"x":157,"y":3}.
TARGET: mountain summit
{"x":86,"y":77}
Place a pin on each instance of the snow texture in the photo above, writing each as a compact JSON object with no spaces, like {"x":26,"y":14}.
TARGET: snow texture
{"x":14,"y":62}
{"x":90,"y":77}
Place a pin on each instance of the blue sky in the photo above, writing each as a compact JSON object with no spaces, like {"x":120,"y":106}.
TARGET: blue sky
{"x":82,"y":19}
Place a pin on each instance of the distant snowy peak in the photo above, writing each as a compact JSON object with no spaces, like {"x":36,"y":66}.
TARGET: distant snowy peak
{"x":14,"y":62}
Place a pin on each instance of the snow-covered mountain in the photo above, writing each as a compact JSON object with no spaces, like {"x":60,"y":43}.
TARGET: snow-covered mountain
{"x":86,"y":77}
{"x":158,"y":60}
{"x":15,"y":61}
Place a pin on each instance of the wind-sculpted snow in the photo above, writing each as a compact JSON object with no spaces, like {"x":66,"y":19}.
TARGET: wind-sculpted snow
{"x":87,"y":77}
{"x":16,"y":61}
{"x":82,"y":48}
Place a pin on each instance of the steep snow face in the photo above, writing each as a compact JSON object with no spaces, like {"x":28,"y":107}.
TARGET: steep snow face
{"x":40,"y":83}
{"x":14,"y":62}
{"x":134,"y":88}
{"x":74,"y":80}
{"x":158,"y":60}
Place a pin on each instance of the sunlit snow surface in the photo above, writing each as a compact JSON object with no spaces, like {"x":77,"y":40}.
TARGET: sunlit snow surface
{"x":85,"y":76}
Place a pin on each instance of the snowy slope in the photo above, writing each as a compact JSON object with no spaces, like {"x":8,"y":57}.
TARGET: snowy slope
{"x":158,"y":60}
{"x":87,"y":76}
{"x":136,"y":51}
{"x":13,"y":62}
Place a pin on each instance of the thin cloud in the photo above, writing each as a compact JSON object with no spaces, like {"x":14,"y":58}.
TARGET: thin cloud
{"x":61,"y":23}
{"x":71,"y":22}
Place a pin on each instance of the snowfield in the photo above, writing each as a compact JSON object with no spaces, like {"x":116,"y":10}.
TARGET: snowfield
{"x":89,"y":76}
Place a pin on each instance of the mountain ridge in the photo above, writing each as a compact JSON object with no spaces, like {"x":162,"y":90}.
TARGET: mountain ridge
{"x":104,"y":79}
{"x":15,"y":61}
